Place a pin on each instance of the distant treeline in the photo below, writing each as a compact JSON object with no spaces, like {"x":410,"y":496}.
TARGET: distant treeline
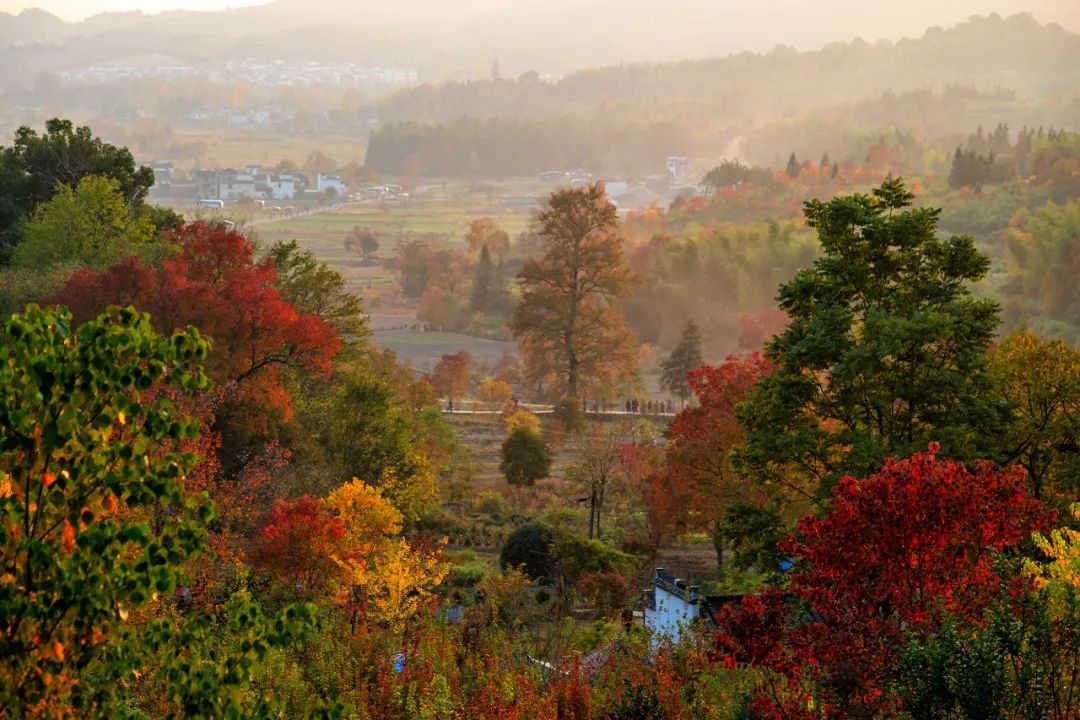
{"x":1017,"y":53}
{"x":506,"y":147}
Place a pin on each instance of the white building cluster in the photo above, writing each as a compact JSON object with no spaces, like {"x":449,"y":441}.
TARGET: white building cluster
{"x":265,"y":73}
{"x":253,"y":182}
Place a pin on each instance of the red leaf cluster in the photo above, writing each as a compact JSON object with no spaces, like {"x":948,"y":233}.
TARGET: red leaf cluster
{"x":756,"y":329}
{"x":697,"y":482}
{"x":297,"y":544}
{"x":215,"y":283}
{"x":895,"y":553}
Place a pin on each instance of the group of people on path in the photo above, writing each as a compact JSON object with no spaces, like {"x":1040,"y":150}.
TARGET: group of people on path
{"x":650,"y":407}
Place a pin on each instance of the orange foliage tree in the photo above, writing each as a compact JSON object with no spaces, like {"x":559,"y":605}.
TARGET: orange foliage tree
{"x":451,"y":375}
{"x":570,"y":331}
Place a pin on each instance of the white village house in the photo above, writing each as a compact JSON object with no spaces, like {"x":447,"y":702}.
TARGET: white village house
{"x":672,"y":606}
{"x":330,"y":182}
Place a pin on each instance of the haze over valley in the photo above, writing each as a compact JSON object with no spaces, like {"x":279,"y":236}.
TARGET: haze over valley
{"x":540,"y":359}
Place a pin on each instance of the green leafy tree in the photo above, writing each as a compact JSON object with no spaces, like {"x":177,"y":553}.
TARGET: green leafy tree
{"x":685,"y":357}
{"x":316,"y":289}
{"x":91,"y":225}
{"x":78,"y":430}
{"x":369,"y":433}
{"x":98,"y":524}
{"x":35,"y":166}
{"x":577,"y":556}
{"x":525,"y":457}
{"x":732,"y":173}
{"x":1022,"y":661}
{"x":529,"y":548}
{"x":885,"y":350}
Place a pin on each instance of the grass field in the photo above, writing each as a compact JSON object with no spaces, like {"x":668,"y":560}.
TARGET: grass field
{"x":324,"y":233}
{"x":423,"y":349}
{"x":237,"y":148}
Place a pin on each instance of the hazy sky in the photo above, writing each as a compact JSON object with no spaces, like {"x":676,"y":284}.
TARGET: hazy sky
{"x":847,"y":17}
{"x":79,"y":9}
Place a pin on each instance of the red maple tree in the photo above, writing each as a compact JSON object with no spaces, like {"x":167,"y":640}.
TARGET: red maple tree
{"x":697,"y":483}
{"x":215,"y":283}
{"x":297,"y":544}
{"x":895,"y":554}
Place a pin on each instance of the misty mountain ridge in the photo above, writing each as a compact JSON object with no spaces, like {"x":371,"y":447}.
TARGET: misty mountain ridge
{"x":451,"y":41}
{"x":1018,"y":54}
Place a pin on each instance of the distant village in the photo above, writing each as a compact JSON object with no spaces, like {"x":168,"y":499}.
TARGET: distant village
{"x":216,"y":188}
{"x":253,"y":182}
{"x":264,"y":73}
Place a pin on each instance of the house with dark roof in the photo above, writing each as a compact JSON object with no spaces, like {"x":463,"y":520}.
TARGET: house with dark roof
{"x":671,"y":607}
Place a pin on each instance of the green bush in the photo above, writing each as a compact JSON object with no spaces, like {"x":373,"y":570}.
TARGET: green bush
{"x":525,"y":458}
{"x":529,"y":548}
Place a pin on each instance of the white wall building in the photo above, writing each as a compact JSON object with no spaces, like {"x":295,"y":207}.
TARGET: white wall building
{"x":236,"y":186}
{"x":671,"y":607}
{"x":330,"y":182}
{"x":281,"y":187}
{"x":679,"y":168}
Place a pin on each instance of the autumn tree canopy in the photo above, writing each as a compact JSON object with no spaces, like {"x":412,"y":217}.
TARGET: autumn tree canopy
{"x":318,"y":291}
{"x":484,"y":233}
{"x":698,"y":486}
{"x":1040,"y":380}
{"x":898,"y":552}
{"x":215,"y":284}
{"x":573,"y":337}
{"x":452,"y":374}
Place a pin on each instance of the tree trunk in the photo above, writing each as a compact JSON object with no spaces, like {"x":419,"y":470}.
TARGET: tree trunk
{"x":718,"y":544}
{"x":593,"y":520}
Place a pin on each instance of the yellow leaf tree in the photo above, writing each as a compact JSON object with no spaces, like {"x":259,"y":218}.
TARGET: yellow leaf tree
{"x":1060,"y":575}
{"x":389,"y":580}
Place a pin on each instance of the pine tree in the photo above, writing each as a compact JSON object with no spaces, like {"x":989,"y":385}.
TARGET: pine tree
{"x":826,"y":161}
{"x":835,"y":170}
{"x":485,"y":282}
{"x":685,"y":357}
{"x":793,"y":168}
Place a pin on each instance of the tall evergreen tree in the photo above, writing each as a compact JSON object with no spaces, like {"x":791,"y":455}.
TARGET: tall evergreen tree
{"x":485,"y":282}
{"x":685,"y":357}
{"x":793,"y":167}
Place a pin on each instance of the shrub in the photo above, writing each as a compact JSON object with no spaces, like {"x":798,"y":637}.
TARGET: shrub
{"x":525,"y":458}
{"x":529,"y":548}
